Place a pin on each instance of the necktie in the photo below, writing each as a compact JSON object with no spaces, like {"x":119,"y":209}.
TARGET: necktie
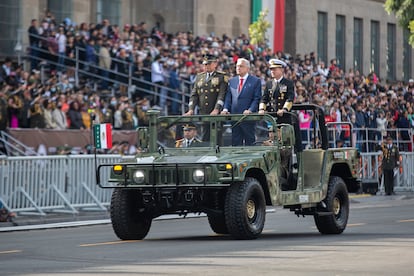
{"x":208,"y":76}
{"x":188,"y":144}
{"x":240,"y":85}
{"x":277,"y":86}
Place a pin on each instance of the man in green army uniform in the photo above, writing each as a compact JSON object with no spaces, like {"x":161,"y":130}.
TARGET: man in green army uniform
{"x":390,"y":161}
{"x":209,"y":89}
{"x":190,"y":137}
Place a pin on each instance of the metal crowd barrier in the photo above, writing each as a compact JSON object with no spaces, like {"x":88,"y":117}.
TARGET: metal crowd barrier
{"x":41,"y":184}
{"x":66,"y":183}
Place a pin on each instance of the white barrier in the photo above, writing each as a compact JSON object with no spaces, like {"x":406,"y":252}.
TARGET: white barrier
{"x":39,"y":185}
{"x":52,"y":183}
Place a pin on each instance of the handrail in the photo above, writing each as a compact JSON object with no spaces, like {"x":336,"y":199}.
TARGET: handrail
{"x":11,"y":144}
{"x":79,"y":64}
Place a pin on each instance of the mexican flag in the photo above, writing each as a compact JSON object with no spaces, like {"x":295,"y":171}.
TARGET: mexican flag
{"x":102,"y":135}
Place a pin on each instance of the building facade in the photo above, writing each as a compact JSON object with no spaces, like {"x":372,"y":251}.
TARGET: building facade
{"x":358,"y":33}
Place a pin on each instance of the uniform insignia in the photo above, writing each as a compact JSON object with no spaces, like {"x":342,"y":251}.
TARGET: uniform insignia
{"x":226,"y":79}
{"x":200,"y":83}
{"x":215,"y":81}
{"x":283,"y":88}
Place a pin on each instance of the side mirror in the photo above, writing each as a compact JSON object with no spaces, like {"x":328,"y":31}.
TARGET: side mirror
{"x":143,"y":137}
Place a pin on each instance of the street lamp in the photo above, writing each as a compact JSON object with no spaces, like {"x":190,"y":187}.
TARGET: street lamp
{"x":18,"y":48}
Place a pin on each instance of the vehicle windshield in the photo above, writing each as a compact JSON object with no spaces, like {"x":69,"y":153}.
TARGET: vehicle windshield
{"x":211,"y":131}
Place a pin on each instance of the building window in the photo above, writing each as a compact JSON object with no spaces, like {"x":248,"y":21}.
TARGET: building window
{"x":407,"y":55}
{"x":375,"y":47}
{"x":236,"y":27}
{"x":340,"y":40}
{"x":60,"y":10}
{"x":391,"y":47}
{"x":358,"y":44}
{"x":10,"y":33}
{"x":109,"y":9}
{"x":323,"y":36}
{"x":210,"y":24}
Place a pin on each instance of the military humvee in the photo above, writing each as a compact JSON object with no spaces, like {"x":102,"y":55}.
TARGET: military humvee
{"x":232,"y":184}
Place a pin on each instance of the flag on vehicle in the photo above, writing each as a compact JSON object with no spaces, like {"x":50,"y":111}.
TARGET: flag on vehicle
{"x":102,"y":134}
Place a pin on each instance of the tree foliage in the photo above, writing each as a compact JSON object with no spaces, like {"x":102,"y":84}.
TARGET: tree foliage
{"x":404,"y":12}
{"x":257,"y":30}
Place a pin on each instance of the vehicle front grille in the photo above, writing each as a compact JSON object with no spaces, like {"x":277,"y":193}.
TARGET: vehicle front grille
{"x":167,"y":176}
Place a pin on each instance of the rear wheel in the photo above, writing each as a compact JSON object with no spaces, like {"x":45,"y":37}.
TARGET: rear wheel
{"x":130,"y":220}
{"x":334,"y":210}
{"x":245,"y":209}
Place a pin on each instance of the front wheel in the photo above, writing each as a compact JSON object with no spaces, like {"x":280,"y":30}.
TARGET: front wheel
{"x":130,"y":220}
{"x":218,"y":223}
{"x":334,"y":210}
{"x":245,"y":209}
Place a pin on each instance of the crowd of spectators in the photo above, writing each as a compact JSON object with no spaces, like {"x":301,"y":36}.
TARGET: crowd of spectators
{"x":173,"y":60}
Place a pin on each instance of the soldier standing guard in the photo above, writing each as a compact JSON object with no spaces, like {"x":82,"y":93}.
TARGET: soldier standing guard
{"x":209,"y":89}
{"x":278,"y":97}
{"x":390,"y":161}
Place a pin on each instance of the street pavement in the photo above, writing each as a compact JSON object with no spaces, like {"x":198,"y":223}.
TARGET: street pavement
{"x":91,"y":217}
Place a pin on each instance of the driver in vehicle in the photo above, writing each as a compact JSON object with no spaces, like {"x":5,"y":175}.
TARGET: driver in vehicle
{"x":190,"y":137}
{"x":271,"y":140}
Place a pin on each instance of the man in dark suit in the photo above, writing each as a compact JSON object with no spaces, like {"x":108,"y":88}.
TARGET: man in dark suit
{"x":209,"y":89}
{"x":390,"y":161}
{"x":243,"y":95}
{"x":278,"y":98}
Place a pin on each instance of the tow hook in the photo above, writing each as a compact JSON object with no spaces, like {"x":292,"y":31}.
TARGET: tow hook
{"x":189,"y":195}
{"x":147,"y":197}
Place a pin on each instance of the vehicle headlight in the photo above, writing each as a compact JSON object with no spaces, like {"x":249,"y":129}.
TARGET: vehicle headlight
{"x":139,"y":177}
{"x":198,"y":176}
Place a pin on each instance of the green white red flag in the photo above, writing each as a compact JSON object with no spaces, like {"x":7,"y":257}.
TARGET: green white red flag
{"x":102,"y":134}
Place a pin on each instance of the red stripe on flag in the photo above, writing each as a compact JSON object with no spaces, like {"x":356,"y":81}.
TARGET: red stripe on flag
{"x":279,"y":26}
{"x":108,"y":136}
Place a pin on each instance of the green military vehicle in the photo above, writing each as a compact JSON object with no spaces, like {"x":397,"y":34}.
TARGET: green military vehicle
{"x":232,"y":184}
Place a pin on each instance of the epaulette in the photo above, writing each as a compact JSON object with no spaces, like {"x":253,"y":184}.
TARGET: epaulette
{"x":221,"y":72}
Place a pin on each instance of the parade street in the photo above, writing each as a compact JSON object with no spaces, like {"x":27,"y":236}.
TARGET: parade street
{"x":379,"y":240}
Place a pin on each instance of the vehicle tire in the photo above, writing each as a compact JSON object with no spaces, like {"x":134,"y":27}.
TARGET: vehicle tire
{"x":218,"y":223}
{"x":245,"y":209}
{"x":336,"y":204}
{"x":130,"y":220}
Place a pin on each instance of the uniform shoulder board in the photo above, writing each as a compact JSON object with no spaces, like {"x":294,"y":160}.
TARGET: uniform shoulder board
{"x":221,"y":72}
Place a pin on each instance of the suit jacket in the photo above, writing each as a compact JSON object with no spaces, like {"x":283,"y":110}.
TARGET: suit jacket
{"x":247,"y":99}
{"x":208,"y":94}
{"x":278,"y":97}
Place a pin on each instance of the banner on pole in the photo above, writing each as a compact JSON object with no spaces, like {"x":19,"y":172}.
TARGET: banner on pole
{"x":102,"y":134}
